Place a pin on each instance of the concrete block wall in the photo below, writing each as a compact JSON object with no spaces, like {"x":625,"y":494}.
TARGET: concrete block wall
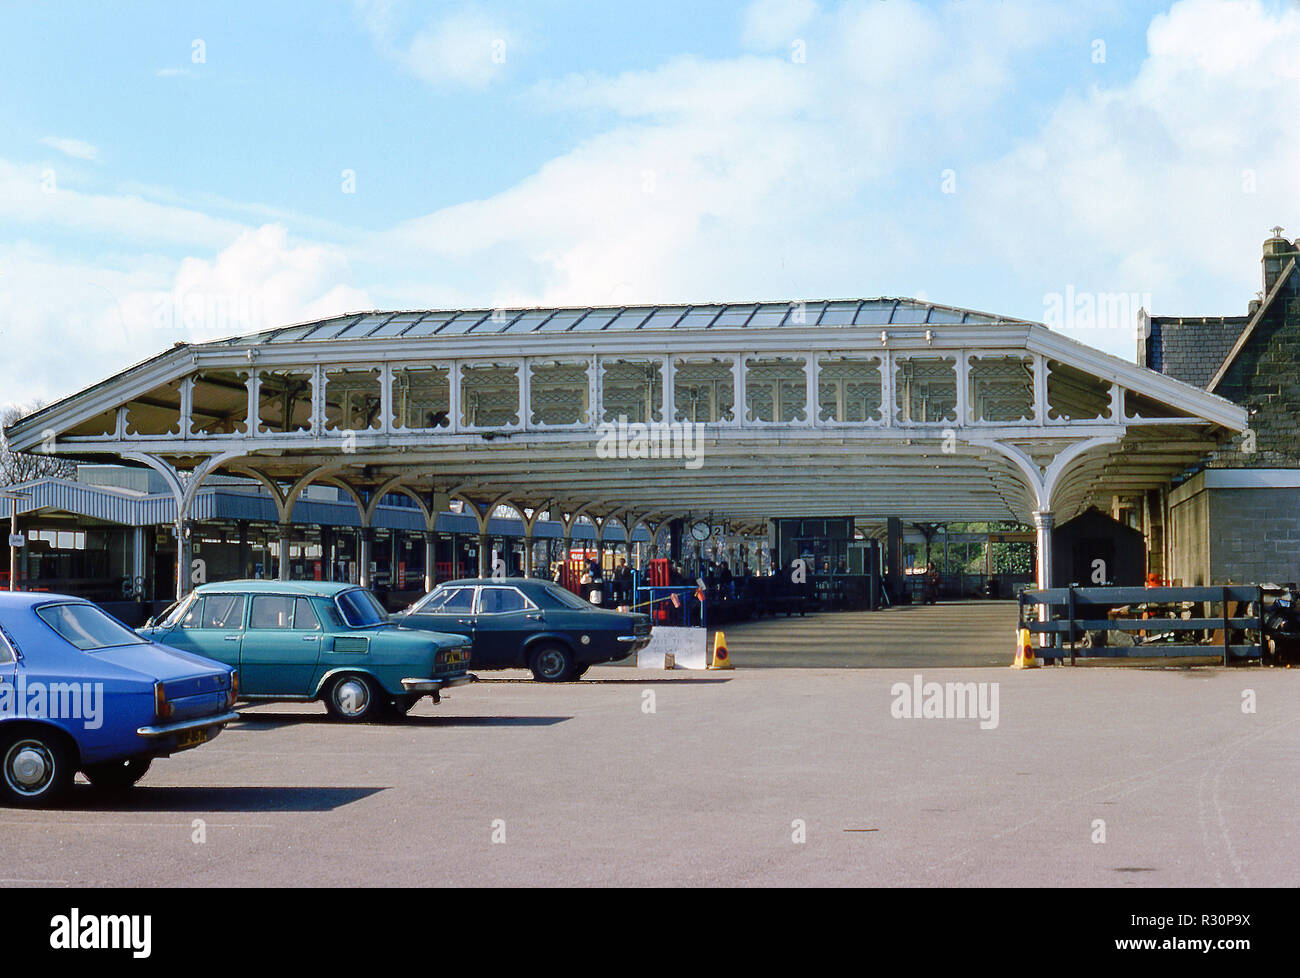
{"x":1254,"y":535}
{"x":1241,"y":536}
{"x":1189,"y":522}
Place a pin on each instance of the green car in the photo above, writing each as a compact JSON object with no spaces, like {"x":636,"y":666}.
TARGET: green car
{"x":309,"y":640}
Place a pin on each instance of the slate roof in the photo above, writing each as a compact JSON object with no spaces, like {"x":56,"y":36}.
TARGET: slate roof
{"x":1192,"y":348}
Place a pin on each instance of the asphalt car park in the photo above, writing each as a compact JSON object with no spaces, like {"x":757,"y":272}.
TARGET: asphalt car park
{"x":636,"y":777}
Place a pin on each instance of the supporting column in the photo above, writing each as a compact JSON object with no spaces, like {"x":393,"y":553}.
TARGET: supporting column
{"x":139,"y":576}
{"x":184,"y":557}
{"x":326,"y":553}
{"x":528,"y":554}
{"x":430,"y":560}
{"x":894,"y":554}
{"x":484,"y":557}
{"x":1044,"y":520}
{"x":243,"y":548}
{"x":365,"y":545}
{"x":285,"y":533}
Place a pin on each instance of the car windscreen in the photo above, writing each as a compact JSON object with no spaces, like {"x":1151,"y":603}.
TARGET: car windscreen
{"x":566,"y":599}
{"x":87,"y":627}
{"x":361,"y":608}
{"x":449,"y":600}
{"x":174,"y":612}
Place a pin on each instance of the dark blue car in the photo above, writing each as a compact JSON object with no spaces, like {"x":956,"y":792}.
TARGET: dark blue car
{"x":79,"y":691}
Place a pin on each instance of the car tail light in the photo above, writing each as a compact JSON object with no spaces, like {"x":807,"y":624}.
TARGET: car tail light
{"x":162,"y":709}
{"x":234,"y":689}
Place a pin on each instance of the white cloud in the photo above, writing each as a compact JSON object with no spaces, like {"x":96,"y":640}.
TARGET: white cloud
{"x":467,"y":49}
{"x":748,"y":177}
{"x":260,"y":281}
{"x":76,"y":148}
{"x":1166,"y":184}
{"x":758,"y":177}
{"x":65,"y":324}
{"x":43,"y":197}
{"x":742,"y":178}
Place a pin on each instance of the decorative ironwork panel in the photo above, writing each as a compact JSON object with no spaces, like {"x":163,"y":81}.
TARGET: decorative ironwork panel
{"x":489,"y":396}
{"x":704,"y":391}
{"x":422,"y":397}
{"x":776,"y":389}
{"x":632,"y":389}
{"x":849,"y":389}
{"x":925,"y":389}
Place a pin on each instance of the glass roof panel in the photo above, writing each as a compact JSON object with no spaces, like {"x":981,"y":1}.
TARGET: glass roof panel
{"x":464,"y":322}
{"x":597,"y":319}
{"x":735,"y":316}
{"x":287,"y":335}
{"x":526,"y":322}
{"x":910,"y":312}
{"x":396,"y":324}
{"x":629,"y":318}
{"x":874,"y":313}
{"x":665,"y":317}
{"x":773,"y":315}
{"x":429,"y":325}
{"x":839,"y":313}
{"x":561,"y":321}
{"x":941,"y":315}
{"x":699,"y":317}
{"x":336,"y":327}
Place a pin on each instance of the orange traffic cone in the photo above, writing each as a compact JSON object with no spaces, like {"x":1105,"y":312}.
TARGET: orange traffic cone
{"x":1024,"y":651}
{"x":720,"y":658}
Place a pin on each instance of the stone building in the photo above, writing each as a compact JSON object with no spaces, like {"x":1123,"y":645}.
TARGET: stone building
{"x":1237,"y":518}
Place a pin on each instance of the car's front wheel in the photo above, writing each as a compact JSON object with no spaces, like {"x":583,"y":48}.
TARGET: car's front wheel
{"x":354,"y":699}
{"x":551,"y":664}
{"x":117,"y":775}
{"x":35,"y":769}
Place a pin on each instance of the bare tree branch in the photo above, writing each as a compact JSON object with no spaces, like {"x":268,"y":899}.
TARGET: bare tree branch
{"x":18,"y":467}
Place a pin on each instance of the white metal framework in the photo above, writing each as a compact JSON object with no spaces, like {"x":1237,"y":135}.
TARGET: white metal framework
{"x":870,"y":408}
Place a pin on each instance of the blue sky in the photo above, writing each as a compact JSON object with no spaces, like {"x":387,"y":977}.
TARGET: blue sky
{"x":179,"y":171}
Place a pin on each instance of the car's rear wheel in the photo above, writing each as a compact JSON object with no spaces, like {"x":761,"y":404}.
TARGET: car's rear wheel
{"x":117,"y":775}
{"x":551,"y":664}
{"x":354,"y":699}
{"x":35,"y":769}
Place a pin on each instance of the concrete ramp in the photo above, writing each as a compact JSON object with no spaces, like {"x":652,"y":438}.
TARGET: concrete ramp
{"x":950,"y":634}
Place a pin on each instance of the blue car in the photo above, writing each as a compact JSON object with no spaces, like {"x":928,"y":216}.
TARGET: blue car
{"x":79,"y":691}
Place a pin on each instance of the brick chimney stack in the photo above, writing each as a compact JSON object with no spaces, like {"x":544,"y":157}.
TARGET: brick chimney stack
{"x":1277,"y":252}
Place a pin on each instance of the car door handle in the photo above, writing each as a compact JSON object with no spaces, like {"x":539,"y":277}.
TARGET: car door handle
{"x":232,"y":638}
{"x":310,"y":638}
{"x":533,"y":617}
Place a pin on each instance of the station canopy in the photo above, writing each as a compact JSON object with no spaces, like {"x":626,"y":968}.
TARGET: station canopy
{"x":737,"y":413}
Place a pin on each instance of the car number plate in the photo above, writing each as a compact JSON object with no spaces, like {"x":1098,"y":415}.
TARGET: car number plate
{"x":192,"y":738}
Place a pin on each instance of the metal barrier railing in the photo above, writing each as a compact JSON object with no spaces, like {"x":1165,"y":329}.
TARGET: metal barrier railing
{"x":1069,"y":614}
{"x":676,"y":605}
